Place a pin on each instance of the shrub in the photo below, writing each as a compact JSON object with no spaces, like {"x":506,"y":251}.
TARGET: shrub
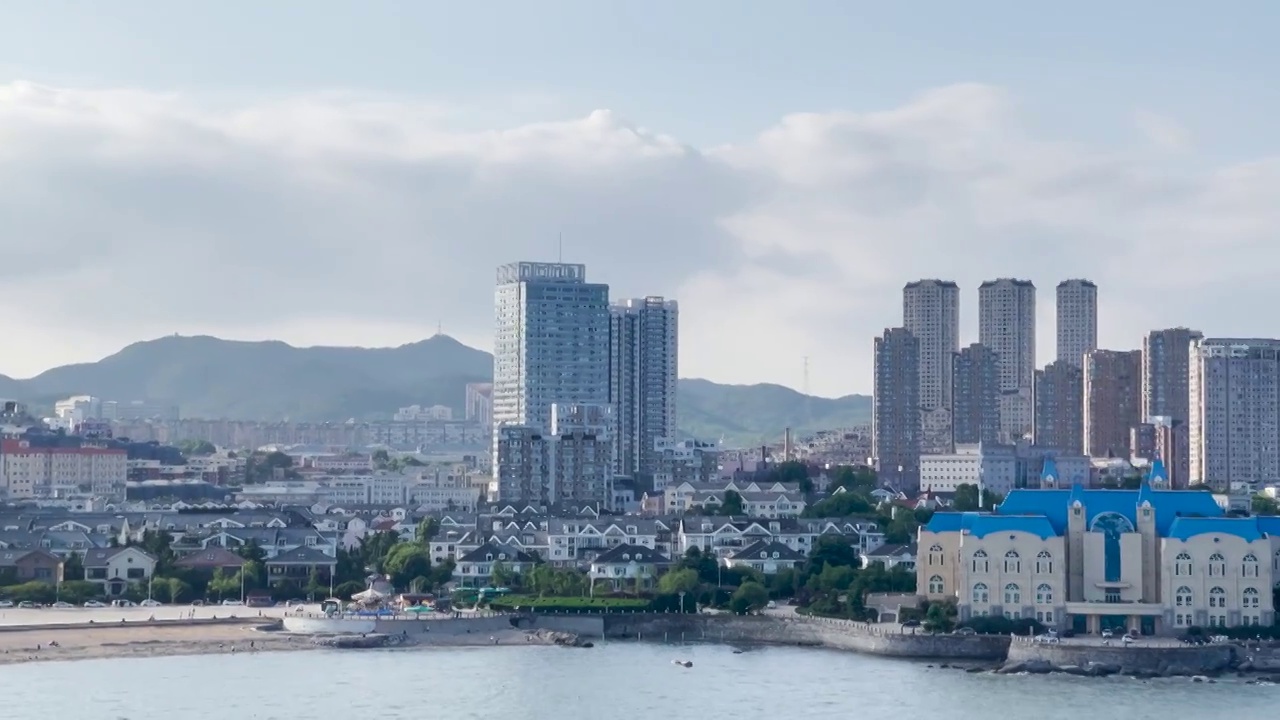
{"x":571,"y":604}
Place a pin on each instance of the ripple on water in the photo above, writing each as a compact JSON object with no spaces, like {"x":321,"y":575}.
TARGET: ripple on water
{"x":626,"y":680}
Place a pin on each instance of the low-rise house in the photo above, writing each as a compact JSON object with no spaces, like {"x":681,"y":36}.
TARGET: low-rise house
{"x":299,"y":564}
{"x":116,"y":568}
{"x":629,"y":567}
{"x":22,"y":566}
{"x":475,"y":569}
{"x":766,"y":556}
{"x":891,"y":556}
{"x":211,"y":560}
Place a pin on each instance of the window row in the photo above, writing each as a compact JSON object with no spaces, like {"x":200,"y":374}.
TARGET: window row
{"x":1012,"y":593}
{"x":1184,"y":565}
{"x":1013,"y":562}
{"x":1250,"y":598}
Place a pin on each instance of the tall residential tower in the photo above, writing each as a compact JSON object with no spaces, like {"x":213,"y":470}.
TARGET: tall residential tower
{"x":1007,"y":325}
{"x":1077,"y":320}
{"x":895,"y":418}
{"x":643,"y":372}
{"x":931,"y":312}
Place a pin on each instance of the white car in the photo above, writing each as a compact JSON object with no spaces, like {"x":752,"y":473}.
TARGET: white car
{"x":6,"y":603}
{"x":95,"y":604}
{"x":62,"y":605}
{"x":150,"y":603}
{"x":232,"y":603}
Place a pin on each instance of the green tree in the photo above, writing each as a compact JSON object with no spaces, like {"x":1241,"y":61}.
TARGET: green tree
{"x":197,"y":447}
{"x":966,"y":498}
{"x":749,"y":596}
{"x":861,"y":480}
{"x":73,"y":567}
{"x":1264,"y":505}
{"x":426,"y":531}
{"x":252,"y":551}
{"x":405,"y":562}
{"x":678,"y":581}
{"x":381,"y":459}
{"x":501,"y":575}
{"x":732,"y":504}
{"x":940,"y":617}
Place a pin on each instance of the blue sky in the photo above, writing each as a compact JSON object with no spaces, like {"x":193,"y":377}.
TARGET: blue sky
{"x":709,"y":72}
{"x":781,"y":168}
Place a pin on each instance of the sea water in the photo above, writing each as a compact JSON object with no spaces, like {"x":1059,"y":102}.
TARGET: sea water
{"x":636,"y":681}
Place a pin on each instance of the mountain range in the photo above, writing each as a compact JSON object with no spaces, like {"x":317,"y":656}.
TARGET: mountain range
{"x":210,"y":377}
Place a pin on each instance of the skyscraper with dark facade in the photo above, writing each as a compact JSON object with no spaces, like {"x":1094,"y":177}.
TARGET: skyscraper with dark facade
{"x":975,"y":387}
{"x":895,"y":419}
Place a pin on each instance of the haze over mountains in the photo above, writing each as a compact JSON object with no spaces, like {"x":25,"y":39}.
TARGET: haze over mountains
{"x":209,"y":377}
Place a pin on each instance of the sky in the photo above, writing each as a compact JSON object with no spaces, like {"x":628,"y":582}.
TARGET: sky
{"x":351,"y":173}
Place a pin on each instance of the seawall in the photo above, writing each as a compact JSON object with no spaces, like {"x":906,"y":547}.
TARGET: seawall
{"x":1135,"y":659}
{"x":772,"y":630}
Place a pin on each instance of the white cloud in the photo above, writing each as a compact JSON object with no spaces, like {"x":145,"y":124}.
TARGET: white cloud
{"x":338,"y":219}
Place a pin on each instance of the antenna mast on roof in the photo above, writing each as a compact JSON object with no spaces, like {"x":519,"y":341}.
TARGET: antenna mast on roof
{"x":560,"y":248}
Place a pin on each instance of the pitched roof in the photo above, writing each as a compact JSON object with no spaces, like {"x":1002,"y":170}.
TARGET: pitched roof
{"x":302,"y":556}
{"x":98,"y":557}
{"x":483,"y":553}
{"x":983,"y":524}
{"x":1055,"y":505}
{"x":630,"y":553}
{"x":762,"y":548}
{"x":1184,"y":528}
{"x":212,"y":557}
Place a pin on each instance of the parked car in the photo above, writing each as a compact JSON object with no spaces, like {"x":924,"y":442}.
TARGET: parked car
{"x":232,"y":603}
{"x":911,"y":624}
{"x":27,"y":605}
{"x":62,"y":605}
{"x":6,"y":603}
{"x":150,"y":603}
{"x":95,"y":604}
{"x":123,"y":604}
{"x":966,"y":631}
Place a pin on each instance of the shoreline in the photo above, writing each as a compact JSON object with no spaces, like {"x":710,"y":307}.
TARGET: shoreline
{"x":170,"y":639}
{"x":174,"y":637}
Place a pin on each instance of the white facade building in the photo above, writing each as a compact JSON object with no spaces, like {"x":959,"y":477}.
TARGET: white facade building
{"x":1077,"y":320}
{"x":1234,"y":423}
{"x":552,"y":342}
{"x":993,"y":468}
{"x":643,"y":371}
{"x":1007,"y":325}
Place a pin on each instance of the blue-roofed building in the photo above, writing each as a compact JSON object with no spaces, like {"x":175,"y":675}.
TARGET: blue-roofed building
{"x":1153,"y":561}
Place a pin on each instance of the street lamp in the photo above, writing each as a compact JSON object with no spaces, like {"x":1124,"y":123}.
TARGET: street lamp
{"x":681,"y":594}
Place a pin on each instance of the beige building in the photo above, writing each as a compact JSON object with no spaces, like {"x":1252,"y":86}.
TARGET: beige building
{"x":931,"y":313}
{"x":1007,"y":325}
{"x":1077,"y":320}
{"x":1150,"y":561}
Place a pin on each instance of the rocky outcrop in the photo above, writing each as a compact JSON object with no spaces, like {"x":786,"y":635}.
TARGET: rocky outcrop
{"x":365,"y":641}
{"x":553,"y":637}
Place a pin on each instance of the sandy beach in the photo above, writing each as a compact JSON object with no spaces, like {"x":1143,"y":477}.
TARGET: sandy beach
{"x":48,"y":635}
{"x":140,"y":640}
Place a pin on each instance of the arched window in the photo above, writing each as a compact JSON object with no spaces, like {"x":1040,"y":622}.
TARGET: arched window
{"x":980,"y":563}
{"x":1012,"y":562}
{"x":935,"y":554}
{"x":1251,"y":599}
{"x":1217,"y":565}
{"x":1044,"y":594}
{"x":1182,"y":598}
{"x":1217,"y":598}
{"x":980,"y":594}
{"x":1249,"y":566}
{"x":1012,"y":595}
{"x":935,"y":585}
{"x":1182,"y":564}
{"x":1044,"y":563}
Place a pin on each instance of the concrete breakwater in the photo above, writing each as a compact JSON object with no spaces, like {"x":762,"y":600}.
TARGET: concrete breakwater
{"x":772,"y":630}
{"x":1140,"y":661}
